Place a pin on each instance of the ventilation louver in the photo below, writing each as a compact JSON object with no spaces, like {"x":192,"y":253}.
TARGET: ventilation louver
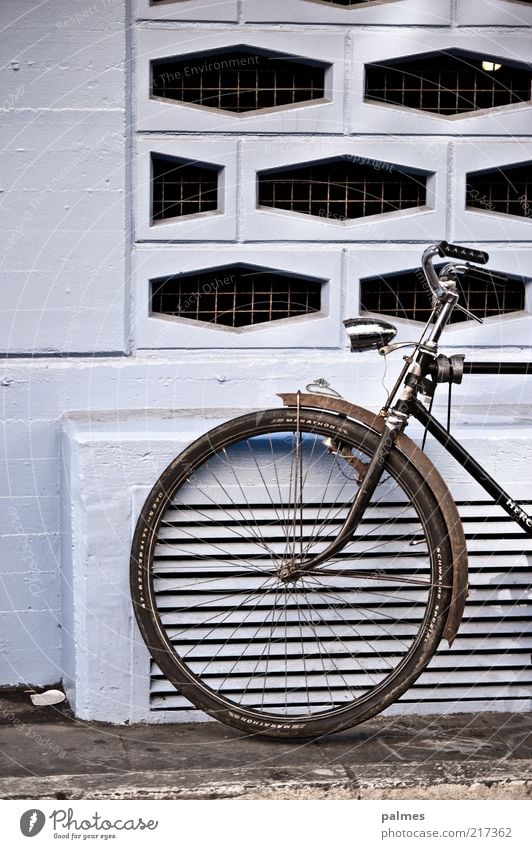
{"x":235,"y":296}
{"x":342,"y":189}
{"x":404,"y":295}
{"x":489,"y":662}
{"x":239,"y":80}
{"x":448,"y":83}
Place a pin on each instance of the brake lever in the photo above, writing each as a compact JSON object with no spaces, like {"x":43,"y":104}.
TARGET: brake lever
{"x":469,"y":314}
{"x":494,"y":276}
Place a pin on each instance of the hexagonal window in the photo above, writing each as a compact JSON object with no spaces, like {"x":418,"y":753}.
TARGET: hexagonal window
{"x":506,"y":190}
{"x":342,"y":189}
{"x":448,"y":83}
{"x":235,"y":296}
{"x":404,"y":295}
{"x":181,"y":187}
{"x":238,"y":80}
{"x":349,"y":3}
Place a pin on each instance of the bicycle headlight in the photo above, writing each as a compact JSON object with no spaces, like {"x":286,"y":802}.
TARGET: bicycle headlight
{"x":367,"y":333}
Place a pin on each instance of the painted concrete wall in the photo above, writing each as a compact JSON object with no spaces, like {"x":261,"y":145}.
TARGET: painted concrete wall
{"x":91,"y":377}
{"x":63,"y":278}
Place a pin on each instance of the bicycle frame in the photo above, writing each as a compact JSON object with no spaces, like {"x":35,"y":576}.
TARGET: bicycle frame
{"x":477,"y":472}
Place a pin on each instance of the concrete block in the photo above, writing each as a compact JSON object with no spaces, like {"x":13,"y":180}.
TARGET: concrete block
{"x":58,"y":15}
{"x":29,"y":514}
{"x":187,"y":10}
{"x":118,"y":467}
{"x":30,"y":648}
{"x":24,"y":588}
{"x":425,"y":157}
{"x":101,"y":649}
{"x":320,"y":116}
{"x":486,"y":225}
{"x":501,"y":13}
{"x":24,"y":439}
{"x":367,"y":117}
{"x":321,"y":329}
{"x":217,"y":225}
{"x":413,"y":12}
{"x":497,"y":333}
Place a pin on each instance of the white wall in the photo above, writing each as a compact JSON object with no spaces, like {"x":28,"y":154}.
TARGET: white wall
{"x":75,"y":128}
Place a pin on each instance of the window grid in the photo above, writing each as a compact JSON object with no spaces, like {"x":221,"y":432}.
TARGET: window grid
{"x":446,"y":84}
{"x":237,"y":81}
{"x":404,"y":295}
{"x":180,"y":188}
{"x":346,"y":2}
{"x":342,"y":190}
{"x":236,"y":297}
{"x":507,"y":190}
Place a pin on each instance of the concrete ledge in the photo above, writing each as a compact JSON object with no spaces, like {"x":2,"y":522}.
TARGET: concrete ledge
{"x":451,"y":780}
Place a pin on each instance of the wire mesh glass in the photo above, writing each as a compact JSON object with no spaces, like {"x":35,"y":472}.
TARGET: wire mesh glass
{"x":238,"y":81}
{"x":181,"y":188}
{"x":405,"y":295}
{"x":235,"y":296}
{"x":507,"y":190}
{"x":447,"y":83}
{"x":342,"y":189}
{"x":346,"y":2}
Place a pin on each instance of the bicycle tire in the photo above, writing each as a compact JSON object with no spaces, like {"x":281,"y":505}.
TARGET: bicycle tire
{"x":303,"y":657}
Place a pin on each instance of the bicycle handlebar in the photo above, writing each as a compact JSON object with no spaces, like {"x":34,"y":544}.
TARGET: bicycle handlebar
{"x":459,"y":252}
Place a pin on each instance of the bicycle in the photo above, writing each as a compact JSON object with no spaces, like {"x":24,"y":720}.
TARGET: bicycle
{"x":294,"y":570}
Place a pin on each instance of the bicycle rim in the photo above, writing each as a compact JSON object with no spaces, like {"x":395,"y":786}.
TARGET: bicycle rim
{"x":289,"y":657}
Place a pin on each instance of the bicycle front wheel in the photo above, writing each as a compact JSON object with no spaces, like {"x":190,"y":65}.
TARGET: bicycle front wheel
{"x":289,"y":656}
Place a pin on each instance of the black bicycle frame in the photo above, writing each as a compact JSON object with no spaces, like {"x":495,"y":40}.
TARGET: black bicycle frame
{"x":477,"y":472}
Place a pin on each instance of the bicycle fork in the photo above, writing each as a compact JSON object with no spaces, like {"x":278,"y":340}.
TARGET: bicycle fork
{"x":395,"y":424}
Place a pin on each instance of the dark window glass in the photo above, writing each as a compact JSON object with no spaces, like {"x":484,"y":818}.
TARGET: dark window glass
{"x":448,"y":84}
{"x":235,"y":296}
{"x":181,"y":188}
{"x":507,"y":190}
{"x":237,"y":81}
{"x":342,"y":189}
{"x":405,"y":295}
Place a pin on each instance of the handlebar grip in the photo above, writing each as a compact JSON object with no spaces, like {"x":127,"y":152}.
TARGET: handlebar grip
{"x":459,"y":252}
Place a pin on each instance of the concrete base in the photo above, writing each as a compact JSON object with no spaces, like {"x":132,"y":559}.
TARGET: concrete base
{"x":110,"y":461}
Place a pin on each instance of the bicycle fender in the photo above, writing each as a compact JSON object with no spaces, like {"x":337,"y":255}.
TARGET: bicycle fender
{"x":428,"y":471}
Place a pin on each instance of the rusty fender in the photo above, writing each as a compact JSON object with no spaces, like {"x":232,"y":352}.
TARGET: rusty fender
{"x":429,"y":472}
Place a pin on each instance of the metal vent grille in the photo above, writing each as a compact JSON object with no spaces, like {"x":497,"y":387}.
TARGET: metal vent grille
{"x":342,"y":189}
{"x":236,"y":296}
{"x":238,"y":81}
{"x":181,"y":188}
{"x":447,"y":83}
{"x":404,"y":295}
{"x":489,"y":660}
{"x":507,"y":190}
